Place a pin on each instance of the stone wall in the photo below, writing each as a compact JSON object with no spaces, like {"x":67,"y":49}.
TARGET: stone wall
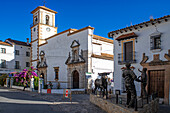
{"x":109,"y":107}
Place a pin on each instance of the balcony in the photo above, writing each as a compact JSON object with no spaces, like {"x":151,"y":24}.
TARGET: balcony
{"x":124,"y":58}
{"x":3,"y":66}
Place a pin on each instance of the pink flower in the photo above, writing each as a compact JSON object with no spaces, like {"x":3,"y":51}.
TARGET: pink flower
{"x":16,"y":79}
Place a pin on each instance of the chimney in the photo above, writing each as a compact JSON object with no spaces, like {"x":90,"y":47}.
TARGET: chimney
{"x":27,"y":41}
{"x":151,"y":18}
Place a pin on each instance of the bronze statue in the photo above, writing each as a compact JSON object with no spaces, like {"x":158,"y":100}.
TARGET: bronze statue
{"x":144,"y":82}
{"x":102,"y":85}
{"x":129,"y":77}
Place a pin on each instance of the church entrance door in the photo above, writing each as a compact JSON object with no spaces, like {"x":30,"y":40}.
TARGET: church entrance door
{"x":75,"y":79}
{"x":156,"y":82}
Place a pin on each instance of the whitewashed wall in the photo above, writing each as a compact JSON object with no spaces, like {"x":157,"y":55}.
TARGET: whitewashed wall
{"x":22,"y":58}
{"x":8,"y":56}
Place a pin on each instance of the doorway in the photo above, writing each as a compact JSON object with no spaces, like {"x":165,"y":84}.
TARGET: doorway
{"x":156,"y":82}
{"x":75,"y":79}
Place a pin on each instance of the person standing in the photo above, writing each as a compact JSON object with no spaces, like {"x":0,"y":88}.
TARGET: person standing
{"x":32,"y":84}
{"x":25,"y":85}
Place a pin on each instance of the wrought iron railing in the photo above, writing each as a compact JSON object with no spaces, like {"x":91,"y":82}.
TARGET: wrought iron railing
{"x":155,"y":47}
{"x":127,"y":57}
{"x":3,"y":65}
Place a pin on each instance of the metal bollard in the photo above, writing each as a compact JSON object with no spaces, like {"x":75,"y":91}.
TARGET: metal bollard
{"x":116,"y":98}
{"x":136,"y":105}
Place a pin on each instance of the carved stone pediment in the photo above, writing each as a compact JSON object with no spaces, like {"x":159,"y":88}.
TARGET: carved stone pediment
{"x":42,"y":63}
{"x":75,"y":57}
{"x":75,"y":44}
{"x":156,"y":61}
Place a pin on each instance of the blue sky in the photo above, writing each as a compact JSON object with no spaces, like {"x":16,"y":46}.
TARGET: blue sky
{"x":103,"y":15}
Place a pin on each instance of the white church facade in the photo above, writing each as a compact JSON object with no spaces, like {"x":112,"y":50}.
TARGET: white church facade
{"x":67,"y":56}
{"x":144,"y":45}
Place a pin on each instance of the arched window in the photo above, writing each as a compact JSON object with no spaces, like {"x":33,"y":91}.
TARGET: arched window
{"x":47,"y":19}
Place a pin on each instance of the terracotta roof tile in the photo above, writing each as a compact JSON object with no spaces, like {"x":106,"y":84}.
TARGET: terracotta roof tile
{"x":143,"y":23}
{"x":5,"y":43}
{"x":18,"y":42}
{"x":125,"y":36}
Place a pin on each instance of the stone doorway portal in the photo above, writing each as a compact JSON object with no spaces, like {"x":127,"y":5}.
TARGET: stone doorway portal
{"x":75,"y":79}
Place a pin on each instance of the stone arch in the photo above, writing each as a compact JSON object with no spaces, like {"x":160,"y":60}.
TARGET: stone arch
{"x":47,"y":19}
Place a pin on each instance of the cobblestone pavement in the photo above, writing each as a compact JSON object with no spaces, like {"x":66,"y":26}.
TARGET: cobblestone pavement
{"x":164,"y":108}
{"x":80,"y":103}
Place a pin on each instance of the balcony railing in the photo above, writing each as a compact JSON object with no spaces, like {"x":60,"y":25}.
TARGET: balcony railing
{"x":156,"y":47}
{"x":124,"y":58}
{"x":3,"y":65}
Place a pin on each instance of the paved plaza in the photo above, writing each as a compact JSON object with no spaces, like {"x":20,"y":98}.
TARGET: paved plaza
{"x":16,"y":101}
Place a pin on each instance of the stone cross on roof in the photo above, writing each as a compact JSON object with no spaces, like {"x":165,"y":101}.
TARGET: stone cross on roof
{"x":44,"y":2}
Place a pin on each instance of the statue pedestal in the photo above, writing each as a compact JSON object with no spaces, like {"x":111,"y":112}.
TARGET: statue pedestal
{"x":110,"y":105}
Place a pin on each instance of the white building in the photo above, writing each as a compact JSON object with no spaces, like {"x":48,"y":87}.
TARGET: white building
{"x":6,"y":56}
{"x":67,"y":56}
{"x":14,"y":55}
{"x":145,"y":45}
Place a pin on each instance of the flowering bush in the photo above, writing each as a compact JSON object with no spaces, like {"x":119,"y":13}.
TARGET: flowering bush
{"x":24,"y":75}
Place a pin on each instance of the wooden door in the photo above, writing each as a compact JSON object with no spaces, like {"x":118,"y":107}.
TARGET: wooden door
{"x":128,"y":51}
{"x":75,"y":79}
{"x":156,"y":82}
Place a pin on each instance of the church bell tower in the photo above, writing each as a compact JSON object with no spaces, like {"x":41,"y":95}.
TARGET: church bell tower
{"x":43,"y":27}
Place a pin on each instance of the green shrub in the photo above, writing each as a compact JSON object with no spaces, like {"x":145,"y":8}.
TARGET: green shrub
{"x":3,"y":79}
{"x":36,"y":79}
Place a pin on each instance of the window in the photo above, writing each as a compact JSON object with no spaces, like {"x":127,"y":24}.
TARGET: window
{"x":3,"y":50}
{"x":155,"y":42}
{"x":56,"y":69}
{"x":17,"y":65}
{"x":34,"y":29}
{"x":47,"y":19}
{"x":27,"y":64}
{"x":16,"y":52}
{"x":28,"y":54}
{"x":3,"y":63}
{"x":128,"y":51}
{"x":35,"y":20}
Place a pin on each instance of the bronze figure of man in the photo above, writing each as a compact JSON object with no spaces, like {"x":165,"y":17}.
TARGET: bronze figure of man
{"x":144,"y":82}
{"x":129,"y":77}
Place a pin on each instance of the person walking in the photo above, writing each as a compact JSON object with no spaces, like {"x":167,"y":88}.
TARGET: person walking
{"x":25,"y":85}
